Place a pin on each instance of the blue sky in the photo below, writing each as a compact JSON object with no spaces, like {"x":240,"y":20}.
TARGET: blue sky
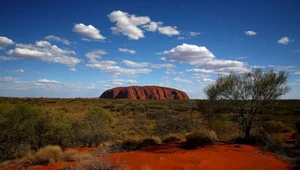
{"x":75,"y":48}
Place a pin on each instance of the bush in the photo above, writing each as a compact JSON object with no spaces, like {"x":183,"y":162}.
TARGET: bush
{"x":130,"y":144}
{"x":153,"y":141}
{"x":173,"y":138}
{"x":46,"y":155}
{"x":199,"y":139}
{"x":275,"y":127}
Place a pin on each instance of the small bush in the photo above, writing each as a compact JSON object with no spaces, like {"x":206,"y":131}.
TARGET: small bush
{"x":274,"y":127}
{"x":198,"y":139}
{"x":46,"y":155}
{"x":173,"y":138}
{"x":153,"y":141}
{"x":130,"y":144}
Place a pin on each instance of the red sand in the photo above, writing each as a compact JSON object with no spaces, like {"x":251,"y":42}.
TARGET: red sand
{"x":222,"y":157}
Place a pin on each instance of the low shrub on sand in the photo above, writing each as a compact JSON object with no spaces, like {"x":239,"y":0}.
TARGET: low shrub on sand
{"x":46,"y":155}
{"x":199,"y":139}
{"x":173,"y":138}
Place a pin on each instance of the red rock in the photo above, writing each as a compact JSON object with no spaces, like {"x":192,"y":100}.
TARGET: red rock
{"x":144,"y":92}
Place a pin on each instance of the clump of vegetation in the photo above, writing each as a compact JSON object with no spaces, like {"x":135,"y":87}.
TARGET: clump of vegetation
{"x":173,"y":138}
{"x":273,"y":126}
{"x":151,"y":141}
{"x":46,"y":155}
{"x":248,"y":95}
{"x":199,"y":139}
{"x":297,"y":134}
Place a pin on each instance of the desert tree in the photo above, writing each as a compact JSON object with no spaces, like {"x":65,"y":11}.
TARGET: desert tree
{"x":248,"y":94}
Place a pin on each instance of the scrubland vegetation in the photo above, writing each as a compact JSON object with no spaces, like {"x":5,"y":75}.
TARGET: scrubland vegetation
{"x":39,"y":130}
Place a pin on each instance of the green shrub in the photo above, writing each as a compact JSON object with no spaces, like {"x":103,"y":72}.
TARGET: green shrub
{"x":199,"y":139}
{"x":70,"y":155}
{"x":130,"y":144}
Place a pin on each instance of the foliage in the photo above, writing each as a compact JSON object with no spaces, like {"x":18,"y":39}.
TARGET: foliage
{"x":173,"y":138}
{"x":273,"y":126}
{"x":96,"y":126}
{"x":248,"y":94}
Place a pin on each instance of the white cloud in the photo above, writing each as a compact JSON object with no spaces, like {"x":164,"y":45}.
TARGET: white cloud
{"x":110,"y":67}
{"x":297,"y":73}
{"x":182,"y":80}
{"x":168,"y":66}
{"x":7,"y":58}
{"x":250,"y":33}
{"x":193,"y":34}
{"x":120,"y":82}
{"x":204,"y":59}
{"x":44,"y":51}
{"x":94,"y":55}
{"x":181,"y":38}
{"x":135,"y":64}
{"x":47,"y":81}
{"x":88,"y":31}
{"x":168,"y":30}
{"x":152,"y":26}
{"x":73,"y":69}
{"x":284,"y":40}
{"x":241,"y":58}
{"x":128,"y":24}
{"x":125,"y":50}
{"x":58,"y":39}
{"x":191,"y":54}
{"x":8,"y":79}
{"x":4,"y":41}
{"x":17,"y":71}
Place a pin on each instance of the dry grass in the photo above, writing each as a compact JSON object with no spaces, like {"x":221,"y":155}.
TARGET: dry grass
{"x":200,"y":139}
{"x":46,"y":155}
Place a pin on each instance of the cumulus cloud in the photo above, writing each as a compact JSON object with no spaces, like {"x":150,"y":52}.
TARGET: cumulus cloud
{"x":4,"y":41}
{"x":58,"y":39}
{"x":88,"y":31}
{"x":110,"y":67}
{"x":47,"y":81}
{"x":182,"y":80}
{"x":134,"y":26}
{"x":284,"y":40}
{"x":168,"y":30}
{"x":204,"y":60}
{"x":125,"y":50}
{"x":152,"y":26}
{"x":250,"y":33}
{"x":43,"y":50}
{"x":191,"y":54}
{"x":135,"y":64}
{"x":8,"y":79}
{"x":193,"y":34}
{"x":128,"y":24}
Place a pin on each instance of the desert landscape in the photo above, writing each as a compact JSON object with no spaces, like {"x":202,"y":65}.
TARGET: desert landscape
{"x":149,"y":85}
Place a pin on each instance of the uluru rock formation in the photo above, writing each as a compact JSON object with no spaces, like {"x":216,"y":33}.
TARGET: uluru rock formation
{"x":144,"y":92}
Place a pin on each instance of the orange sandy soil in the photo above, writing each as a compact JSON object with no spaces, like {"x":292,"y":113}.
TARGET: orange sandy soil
{"x":171,"y":156}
